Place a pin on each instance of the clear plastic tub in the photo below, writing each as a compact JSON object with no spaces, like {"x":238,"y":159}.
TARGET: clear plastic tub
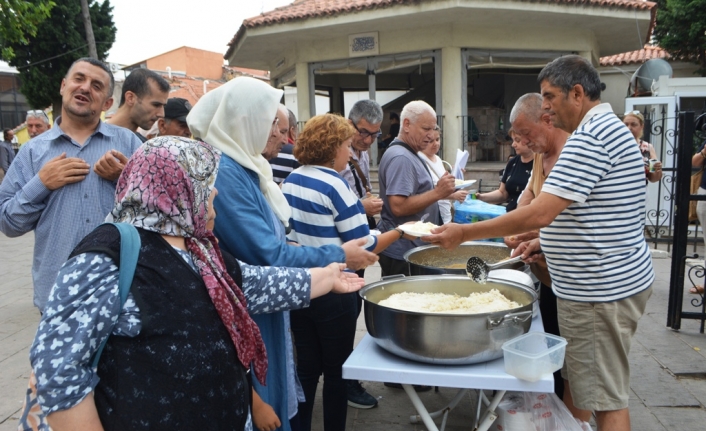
{"x":533,"y":355}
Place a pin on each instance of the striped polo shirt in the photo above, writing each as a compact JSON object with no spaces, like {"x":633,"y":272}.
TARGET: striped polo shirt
{"x":324,"y":209}
{"x":595,"y":249}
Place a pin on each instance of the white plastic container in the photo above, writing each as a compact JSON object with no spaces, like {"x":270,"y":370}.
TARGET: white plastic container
{"x":533,"y":355}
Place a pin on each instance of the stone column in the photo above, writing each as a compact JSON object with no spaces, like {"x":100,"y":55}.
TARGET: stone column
{"x":451,"y":83}
{"x":303,"y":108}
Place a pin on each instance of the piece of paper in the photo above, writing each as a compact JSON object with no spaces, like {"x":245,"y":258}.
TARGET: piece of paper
{"x":461,"y":159}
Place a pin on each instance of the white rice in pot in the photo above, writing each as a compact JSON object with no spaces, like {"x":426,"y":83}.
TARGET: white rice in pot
{"x":475,"y":303}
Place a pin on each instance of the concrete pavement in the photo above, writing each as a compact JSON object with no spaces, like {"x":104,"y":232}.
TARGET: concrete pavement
{"x":668,"y":379}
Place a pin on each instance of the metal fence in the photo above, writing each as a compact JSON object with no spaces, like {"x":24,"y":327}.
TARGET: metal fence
{"x":661,"y":130}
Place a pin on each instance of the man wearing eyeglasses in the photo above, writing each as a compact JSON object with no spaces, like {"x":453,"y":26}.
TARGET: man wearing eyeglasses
{"x":278,"y":134}
{"x":37,"y":122}
{"x":365,"y":116}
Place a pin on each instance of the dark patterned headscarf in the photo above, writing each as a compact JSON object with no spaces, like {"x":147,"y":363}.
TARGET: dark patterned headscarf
{"x":165,"y":188}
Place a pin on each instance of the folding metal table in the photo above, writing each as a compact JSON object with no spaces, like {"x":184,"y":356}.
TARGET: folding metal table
{"x":370,"y":362}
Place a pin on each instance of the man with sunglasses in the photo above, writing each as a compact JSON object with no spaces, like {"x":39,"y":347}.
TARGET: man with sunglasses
{"x":37,"y":122}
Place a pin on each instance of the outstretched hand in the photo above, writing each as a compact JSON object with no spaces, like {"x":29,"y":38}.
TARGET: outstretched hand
{"x":345,"y":282}
{"x":356,"y":256}
{"x":448,"y":236}
{"x":459,"y":195}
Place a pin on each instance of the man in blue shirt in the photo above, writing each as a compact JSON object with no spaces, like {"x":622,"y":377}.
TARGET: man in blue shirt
{"x":62,"y":182}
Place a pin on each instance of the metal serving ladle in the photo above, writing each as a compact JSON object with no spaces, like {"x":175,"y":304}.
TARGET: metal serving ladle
{"x":478,"y":269}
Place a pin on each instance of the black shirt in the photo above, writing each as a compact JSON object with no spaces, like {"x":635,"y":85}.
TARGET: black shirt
{"x":515,"y":178}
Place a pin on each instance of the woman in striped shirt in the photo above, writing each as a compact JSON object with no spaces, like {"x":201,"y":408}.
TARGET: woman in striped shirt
{"x":326,"y":211}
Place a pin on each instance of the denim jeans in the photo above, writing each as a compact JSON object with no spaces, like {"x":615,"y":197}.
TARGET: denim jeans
{"x":323,"y":336}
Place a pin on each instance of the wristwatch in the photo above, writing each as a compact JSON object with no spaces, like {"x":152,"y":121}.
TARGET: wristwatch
{"x":399,"y":231}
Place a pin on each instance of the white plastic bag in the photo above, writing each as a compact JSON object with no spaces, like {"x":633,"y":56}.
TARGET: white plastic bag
{"x":549,"y":413}
{"x":512,"y":414}
{"x":533,"y":411}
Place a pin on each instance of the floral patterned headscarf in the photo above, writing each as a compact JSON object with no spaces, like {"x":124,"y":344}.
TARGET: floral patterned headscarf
{"x":165,"y":188}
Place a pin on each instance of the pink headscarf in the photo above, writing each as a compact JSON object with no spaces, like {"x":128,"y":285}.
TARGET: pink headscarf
{"x":165,"y":188}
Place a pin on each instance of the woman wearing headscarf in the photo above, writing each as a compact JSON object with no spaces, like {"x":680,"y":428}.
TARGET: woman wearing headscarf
{"x":179,"y":348}
{"x":237,"y":118}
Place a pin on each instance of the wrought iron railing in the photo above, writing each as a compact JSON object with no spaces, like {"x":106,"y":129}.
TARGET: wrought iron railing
{"x":659,"y":222}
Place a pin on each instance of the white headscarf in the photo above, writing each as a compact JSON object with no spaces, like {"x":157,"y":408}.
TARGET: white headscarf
{"x":236,"y":118}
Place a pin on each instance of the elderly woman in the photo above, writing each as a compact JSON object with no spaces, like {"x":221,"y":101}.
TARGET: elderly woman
{"x":325,"y":211}
{"x":237,"y":118}
{"x":437,"y":170}
{"x":184,"y":333}
{"x":636,"y":124}
{"x":515,"y":176}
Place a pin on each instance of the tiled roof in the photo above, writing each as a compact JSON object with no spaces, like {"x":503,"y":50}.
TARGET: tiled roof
{"x":635,"y":57}
{"x":190,"y":88}
{"x":303,"y":9}
{"x":244,"y":71}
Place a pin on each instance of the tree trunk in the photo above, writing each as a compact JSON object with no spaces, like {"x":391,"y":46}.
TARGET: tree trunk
{"x":56,"y":108}
{"x":90,"y":39}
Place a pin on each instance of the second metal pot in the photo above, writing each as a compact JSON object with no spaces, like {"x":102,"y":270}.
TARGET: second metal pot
{"x":431,"y":259}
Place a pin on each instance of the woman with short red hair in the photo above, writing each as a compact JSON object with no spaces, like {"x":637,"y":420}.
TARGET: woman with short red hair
{"x":326,"y":211}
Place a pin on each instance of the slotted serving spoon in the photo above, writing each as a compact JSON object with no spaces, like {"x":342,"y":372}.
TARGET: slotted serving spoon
{"x":478,"y":269}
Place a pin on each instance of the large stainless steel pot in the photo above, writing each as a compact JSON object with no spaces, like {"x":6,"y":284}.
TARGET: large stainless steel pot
{"x":432,"y":259}
{"x":447,"y":338}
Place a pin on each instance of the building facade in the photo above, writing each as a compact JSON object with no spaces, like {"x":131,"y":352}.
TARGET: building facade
{"x":470,"y":59}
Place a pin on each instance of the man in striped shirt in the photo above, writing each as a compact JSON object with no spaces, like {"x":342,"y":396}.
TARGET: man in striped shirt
{"x":591,"y":215}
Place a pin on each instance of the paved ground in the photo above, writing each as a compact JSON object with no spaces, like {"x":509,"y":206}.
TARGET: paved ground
{"x":668,"y":367}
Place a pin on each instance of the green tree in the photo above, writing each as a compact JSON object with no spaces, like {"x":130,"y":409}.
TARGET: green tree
{"x":60,"y":40}
{"x":19,"y":20}
{"x":680,"y":29}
